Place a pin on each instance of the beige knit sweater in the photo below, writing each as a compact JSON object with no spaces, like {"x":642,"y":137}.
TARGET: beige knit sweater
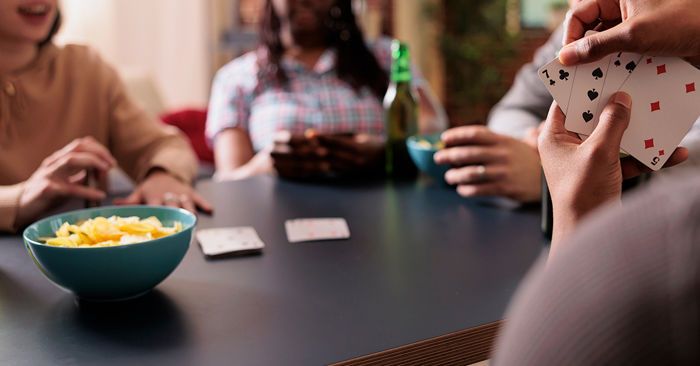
{"x":67,"y":93}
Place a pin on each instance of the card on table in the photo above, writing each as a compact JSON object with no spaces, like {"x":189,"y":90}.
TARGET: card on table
{"x":665,"y":95}
{"x":300,"y":230}
{"x":234,"y":240}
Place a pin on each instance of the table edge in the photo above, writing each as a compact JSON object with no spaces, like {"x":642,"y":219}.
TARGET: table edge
{"x":463,"y":347}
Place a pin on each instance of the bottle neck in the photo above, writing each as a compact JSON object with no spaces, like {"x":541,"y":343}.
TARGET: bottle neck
{"x":400,"y":85}
{"x":400,"y":71}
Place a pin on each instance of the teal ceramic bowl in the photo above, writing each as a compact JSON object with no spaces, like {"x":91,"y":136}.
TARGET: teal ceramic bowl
{"x":110,"y":273}
{"x":423,"y":155}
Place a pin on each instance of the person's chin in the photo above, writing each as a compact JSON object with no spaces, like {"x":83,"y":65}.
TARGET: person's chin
{"x":33,"y":37}
{"x":28,"y":37}
{"x":307,"y":36}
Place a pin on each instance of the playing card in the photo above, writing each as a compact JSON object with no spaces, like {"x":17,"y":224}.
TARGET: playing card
{"x":665,"y":103}
{"x":622,"y":65}
{"x":237,"y":240}
{"x":558,"y":79}
{"x":316,"y":229}
{"x":582,"y":111}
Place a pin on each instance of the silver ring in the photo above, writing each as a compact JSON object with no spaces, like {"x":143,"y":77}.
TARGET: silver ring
{"x":170,"y":197}
{"x":481,"y":172}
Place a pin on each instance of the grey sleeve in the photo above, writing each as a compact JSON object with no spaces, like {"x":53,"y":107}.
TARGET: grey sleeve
{"x":527,"y":102}
{"x":625,"y":290}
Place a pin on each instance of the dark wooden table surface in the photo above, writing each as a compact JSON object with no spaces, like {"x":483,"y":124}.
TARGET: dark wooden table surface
{"x":425,"y":275}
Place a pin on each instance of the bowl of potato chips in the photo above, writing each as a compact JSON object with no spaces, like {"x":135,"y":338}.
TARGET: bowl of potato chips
{"x":110,"y":253}
{"x":421,"y":148}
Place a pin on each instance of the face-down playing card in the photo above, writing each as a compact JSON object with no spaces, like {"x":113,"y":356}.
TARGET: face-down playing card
{"x":233,"y":240}
{"x":299,"y":230}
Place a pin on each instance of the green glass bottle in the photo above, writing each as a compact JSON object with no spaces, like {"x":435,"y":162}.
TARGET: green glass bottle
{"x":401,"y":114}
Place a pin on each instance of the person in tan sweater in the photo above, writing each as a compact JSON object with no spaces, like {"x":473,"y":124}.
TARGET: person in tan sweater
{"x":64,"y":112}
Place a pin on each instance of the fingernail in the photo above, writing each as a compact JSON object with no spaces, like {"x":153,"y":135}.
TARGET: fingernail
{"x":569,"y":55}
{"x":623,"y":99}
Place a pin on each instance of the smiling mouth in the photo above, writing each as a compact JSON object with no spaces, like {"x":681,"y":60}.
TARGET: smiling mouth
{"x":34,"y":9}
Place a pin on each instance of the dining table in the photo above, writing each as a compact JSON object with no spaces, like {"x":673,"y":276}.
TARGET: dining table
{"x":425,"y":278}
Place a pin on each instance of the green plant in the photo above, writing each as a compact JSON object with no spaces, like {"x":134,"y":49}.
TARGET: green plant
{"x":559,"y":5}
{"x":476,"y":49}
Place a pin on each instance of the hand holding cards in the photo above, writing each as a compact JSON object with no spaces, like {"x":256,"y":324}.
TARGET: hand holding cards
{"x":665,"y":100}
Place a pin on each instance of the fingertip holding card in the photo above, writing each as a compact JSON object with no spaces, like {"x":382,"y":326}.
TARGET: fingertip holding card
{"x":316,"y":229}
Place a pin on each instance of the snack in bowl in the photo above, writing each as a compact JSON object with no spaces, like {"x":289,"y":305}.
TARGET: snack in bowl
{"x":426,"y":144}
{"x":109,"y":273}
{"x":421,"y":148}
{"x":108,"y":232}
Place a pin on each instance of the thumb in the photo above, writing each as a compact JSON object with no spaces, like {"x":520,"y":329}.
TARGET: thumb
{"x":133,"y":199}
{"x":596,"y":46}
{"x":613,"y":122}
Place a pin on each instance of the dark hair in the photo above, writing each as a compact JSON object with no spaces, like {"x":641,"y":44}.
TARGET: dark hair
{"x":54,"y":29}
{"x":355,"y":64}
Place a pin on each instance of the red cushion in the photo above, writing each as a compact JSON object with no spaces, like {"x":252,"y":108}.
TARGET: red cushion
{"x":192,"y":123}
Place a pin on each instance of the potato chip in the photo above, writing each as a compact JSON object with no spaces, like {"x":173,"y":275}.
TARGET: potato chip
{"x":112,"y":231}
{"x":425,"y":144}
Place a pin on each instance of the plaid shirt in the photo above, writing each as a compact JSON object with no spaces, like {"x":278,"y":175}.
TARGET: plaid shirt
{"x":314,"y":99}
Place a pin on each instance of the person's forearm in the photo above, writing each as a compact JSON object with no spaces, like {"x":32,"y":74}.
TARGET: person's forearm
{"x":259,"y":164}
{"x":567,"y":219}
{"x":9,"y":206}
{"x":565,"y":222}
{"x":232,"y":150}
{"x":176,"y":158}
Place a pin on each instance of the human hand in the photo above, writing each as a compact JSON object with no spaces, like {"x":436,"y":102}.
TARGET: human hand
{"x":582,"y":176}
{"x":650,"y":27}
{"x":488,"y":164}
{"x":326,"y":155}
{"x":61,"y":176}
{"x":161,"y":188}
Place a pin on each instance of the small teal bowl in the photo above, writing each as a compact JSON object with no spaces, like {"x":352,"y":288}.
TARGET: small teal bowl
{"x":423,"y":156}
{"x":110,"y":273}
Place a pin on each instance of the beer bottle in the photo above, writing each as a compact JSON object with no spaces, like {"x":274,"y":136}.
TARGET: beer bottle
{"x":401,"y":114}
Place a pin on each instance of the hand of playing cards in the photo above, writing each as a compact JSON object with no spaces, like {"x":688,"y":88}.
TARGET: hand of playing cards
{"x":665,"y":99}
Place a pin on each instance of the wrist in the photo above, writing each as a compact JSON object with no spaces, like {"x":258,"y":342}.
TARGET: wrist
{"x":12,"y":216}
{"x":156,"y":172}
{"x":567,"y":218}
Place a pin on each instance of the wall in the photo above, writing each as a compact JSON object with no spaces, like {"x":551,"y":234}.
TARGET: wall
{"x":166,"y":40}
{"x":414,"y":26}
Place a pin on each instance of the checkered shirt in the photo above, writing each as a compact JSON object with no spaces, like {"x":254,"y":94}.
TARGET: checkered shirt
{"x":314,"y":98}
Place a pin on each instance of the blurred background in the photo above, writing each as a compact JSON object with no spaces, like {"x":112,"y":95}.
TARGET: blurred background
{"x":168,"y":50}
